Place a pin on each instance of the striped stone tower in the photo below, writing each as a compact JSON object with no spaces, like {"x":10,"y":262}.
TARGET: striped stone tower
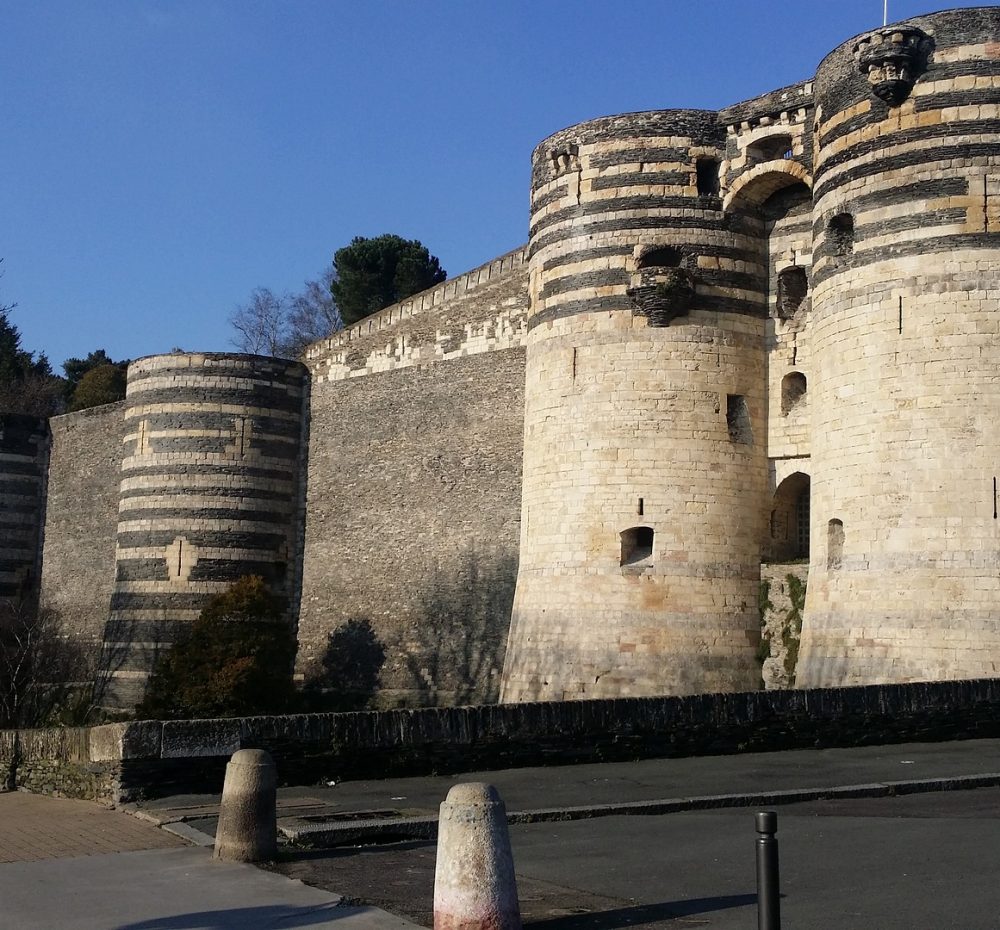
{"x":210,"y":491}
{"x":24,"y":445}
{"x":904,"y":579}
{"x":644,"y":461}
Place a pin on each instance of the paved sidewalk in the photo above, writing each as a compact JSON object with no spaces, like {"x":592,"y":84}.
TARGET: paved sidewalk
{"x":74,"y":865}
{"x":170,"y":889}
{"x":34,"y":828}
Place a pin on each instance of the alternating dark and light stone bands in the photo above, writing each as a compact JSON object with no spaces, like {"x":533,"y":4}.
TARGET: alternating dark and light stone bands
{"x":24,"y":443}
{"x":905,"y":563}
{"x":640,"y":511}
{"x":210,"y":492}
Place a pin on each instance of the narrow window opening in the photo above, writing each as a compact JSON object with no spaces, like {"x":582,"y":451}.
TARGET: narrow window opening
{"x":637,"y":544}
{"x":662,"y":257}
{"x":834,"y":544}
{"x":640,"y":508}
{"x":793,"y":285}
{"x":707,"y":176}
{"x":841,"y":232}
{"x":738,"y":419}
{"x":793,"y":390}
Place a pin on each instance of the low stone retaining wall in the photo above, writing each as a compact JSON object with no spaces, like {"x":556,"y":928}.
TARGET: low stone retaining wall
{"x":129,"y":761}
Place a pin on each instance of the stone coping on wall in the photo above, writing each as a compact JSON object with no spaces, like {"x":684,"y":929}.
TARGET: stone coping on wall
{"x":149,"y":758}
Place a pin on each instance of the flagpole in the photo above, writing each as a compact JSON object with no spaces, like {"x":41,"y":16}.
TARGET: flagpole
{"x":885,"y":12}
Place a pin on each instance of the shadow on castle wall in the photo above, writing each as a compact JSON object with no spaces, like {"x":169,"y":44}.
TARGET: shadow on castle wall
{"x":459,"y":633}
{"x":349,"y":671}
{"x":450,"y":647}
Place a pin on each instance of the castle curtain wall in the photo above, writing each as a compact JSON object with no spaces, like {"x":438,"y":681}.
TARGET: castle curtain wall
{"x":414,"y":489}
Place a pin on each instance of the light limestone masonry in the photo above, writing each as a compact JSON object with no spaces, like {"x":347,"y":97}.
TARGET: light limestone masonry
{"x":641,"y":511}
{"x":905,"y":568}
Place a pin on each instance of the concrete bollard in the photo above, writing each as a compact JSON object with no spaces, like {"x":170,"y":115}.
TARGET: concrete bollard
{"x":248,"y":823}
{"x":474,"y":886}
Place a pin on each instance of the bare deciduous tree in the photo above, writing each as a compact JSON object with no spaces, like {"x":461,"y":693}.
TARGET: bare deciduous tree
{"x":261,"y":324}
{"x":312,"y":314}
{"x":43,"y":673}
{"x":283,"y":326}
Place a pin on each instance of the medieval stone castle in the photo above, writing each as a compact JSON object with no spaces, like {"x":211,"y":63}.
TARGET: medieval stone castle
{"x":765,"y":334}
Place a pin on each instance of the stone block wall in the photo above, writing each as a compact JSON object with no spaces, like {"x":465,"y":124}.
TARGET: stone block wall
{"x":483,"y":310}
{"x":127,"y":762}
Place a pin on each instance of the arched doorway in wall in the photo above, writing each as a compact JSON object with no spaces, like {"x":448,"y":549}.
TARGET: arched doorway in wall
{"x":790,"y":520}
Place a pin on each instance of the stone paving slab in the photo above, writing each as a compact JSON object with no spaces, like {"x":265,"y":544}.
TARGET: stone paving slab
{"x":33,"y":827}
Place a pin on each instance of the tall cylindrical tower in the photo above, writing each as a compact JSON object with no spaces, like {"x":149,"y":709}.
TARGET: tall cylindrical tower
{"x":644,"y":460}
{"x":905,"y":556}
{"x":24,"y":447}
{"x":210,"y":491}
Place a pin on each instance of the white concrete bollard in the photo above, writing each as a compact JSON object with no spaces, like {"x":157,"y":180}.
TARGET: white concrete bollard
{"x":248,"y":823}
{"x":474,"y":885}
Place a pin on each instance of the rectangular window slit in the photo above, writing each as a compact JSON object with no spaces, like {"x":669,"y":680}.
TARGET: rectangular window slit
{"x":574,"y":364}
{"x":994,"y":497}
{"x":640,"y":503}
{"x":986,"y":203}
{"x":900,"y":312}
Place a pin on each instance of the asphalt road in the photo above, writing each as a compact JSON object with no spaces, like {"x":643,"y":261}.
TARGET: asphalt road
{"x":908,"y":863}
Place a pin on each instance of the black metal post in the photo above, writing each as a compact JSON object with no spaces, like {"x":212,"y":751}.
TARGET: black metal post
{"x":768,"y":898}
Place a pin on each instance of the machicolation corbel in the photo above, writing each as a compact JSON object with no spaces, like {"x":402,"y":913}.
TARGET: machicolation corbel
{"x":662,"y":294}
{"x":565,"y":159}
{"x":893,"y":60}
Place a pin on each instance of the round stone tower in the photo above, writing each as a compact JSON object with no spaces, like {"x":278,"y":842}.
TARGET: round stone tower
{"x":644,"y":463}
{"x":210,"y":491}
{"x":905,"y":552}
{"x":24,"y":447}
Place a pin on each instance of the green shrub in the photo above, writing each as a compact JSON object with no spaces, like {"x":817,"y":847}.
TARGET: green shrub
{"x":235,"y":661}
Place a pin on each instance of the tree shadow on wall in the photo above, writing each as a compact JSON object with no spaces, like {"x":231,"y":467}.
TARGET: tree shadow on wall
{"x":348,"y":673}
{"x":458,"y":637}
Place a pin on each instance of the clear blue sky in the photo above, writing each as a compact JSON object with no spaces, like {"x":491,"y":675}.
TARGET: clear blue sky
{"x":162,"y":159}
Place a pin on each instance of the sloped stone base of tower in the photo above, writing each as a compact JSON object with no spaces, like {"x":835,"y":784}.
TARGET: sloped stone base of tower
{"x":932,"y":631}
{"x":575,"y":649}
